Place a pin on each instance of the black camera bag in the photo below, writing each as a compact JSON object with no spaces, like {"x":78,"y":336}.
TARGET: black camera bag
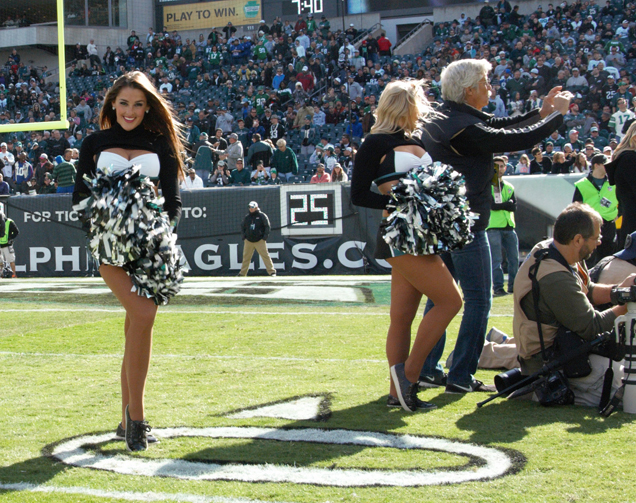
{"x":567,"y":342}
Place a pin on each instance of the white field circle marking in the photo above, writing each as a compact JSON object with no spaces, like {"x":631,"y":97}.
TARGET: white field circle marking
{"x":495,"y":462}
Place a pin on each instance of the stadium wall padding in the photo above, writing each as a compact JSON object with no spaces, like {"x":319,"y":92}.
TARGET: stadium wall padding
{"x":51,"y":242}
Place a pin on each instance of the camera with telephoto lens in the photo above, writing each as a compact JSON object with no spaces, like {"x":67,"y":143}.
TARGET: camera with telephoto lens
{"x":554,"y":390}
{"x":622,"y":295}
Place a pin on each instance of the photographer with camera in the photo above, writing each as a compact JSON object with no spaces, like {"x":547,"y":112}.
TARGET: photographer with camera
{"x":558,"y":292}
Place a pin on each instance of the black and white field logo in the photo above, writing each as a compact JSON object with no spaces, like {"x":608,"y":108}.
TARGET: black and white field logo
{"x":483,"y":463}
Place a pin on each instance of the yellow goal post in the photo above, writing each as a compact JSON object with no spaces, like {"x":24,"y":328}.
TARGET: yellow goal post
{"x":63,"y":122}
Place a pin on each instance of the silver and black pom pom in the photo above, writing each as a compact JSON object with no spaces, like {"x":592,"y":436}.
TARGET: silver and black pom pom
{"x":128,"y":229}
{"x":429,"y":212}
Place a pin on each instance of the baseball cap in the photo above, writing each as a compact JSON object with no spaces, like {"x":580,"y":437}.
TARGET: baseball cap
{"x":593,"y":129}
{"x":253,"y":204}
{"x":305,"y":68}
{"x":573,"y":131}
{"x":599,"y":159}
{"x":534,"y":70}
{"x":234,"y":135}
{"x":629,"y":252}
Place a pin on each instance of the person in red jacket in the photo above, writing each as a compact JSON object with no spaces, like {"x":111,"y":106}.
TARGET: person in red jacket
{"x":306,"y":78}
{"x":300,"y":24}
{"x":384,"y":45}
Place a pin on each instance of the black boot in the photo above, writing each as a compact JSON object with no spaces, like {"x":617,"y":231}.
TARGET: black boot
{"x":136,"y":431}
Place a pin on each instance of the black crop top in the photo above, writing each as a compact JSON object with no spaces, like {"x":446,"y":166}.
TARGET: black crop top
{"x":137,"y":139}
{"x":367,"y":168}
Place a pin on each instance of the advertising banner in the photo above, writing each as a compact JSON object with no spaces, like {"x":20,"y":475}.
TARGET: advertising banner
{"x":315,"y":230}
{"x":205,"y":15}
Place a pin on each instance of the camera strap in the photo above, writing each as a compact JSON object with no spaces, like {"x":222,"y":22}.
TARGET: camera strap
{"x":532,"y":274}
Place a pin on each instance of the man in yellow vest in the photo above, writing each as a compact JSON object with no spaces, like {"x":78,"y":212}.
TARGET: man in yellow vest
{"x":501,"y":231}
{"x":596,"y":191}
{"x":8,"y":232}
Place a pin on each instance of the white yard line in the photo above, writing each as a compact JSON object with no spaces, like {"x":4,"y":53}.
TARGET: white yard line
{"x":125,"y":495}
{"x":213,"y":311}
{"x":192,"y":357}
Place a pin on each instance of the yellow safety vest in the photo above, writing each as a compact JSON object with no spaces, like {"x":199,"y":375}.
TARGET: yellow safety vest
{"x":5,"y":239}
{"x":604,"y":201}
{"x":500,"y":219}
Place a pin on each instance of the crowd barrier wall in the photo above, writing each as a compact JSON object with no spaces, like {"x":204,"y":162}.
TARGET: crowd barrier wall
{"x":315,"y":228}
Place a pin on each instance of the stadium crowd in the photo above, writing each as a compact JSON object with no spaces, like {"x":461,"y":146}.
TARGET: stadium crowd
{"x":292,"y":103}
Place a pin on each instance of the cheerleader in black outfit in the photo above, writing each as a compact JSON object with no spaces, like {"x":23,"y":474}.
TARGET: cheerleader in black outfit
{"x":387,"y":154}
{"x":137,"y":128}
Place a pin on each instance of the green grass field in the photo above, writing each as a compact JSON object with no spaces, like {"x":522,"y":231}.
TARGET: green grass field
{"x":229,"y":345}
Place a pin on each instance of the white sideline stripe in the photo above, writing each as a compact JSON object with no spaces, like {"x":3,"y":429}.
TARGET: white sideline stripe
{"x":496,"y":462}
{"x":169,"y":311}
{"x":125,"y":495}
{"x":196,"y":357}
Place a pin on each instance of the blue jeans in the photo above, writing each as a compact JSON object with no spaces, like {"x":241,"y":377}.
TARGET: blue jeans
{"x":204,"y":174}
{"x":471,"y":268}
{"x":505,"y":239}
{"x":286,"y":176}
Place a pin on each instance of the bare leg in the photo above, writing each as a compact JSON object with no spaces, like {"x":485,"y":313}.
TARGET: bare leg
{"x":124,"y":379}
{"x":412,"y":277}
{"x":140,"y":317}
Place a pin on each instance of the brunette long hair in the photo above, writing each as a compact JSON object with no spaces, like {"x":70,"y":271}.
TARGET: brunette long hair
{"x":159,"y":119}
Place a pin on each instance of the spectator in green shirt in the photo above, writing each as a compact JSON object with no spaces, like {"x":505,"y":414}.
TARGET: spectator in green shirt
{"x":64,"y":173}
{"x":240,"y":176}
{"x":284,"y":160}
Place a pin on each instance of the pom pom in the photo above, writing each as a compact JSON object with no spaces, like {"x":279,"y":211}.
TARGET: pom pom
{"x":429,"y":213}
{"x":129,"y":230}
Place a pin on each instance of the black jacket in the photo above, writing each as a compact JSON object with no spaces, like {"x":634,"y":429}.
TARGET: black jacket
{"x":620,"y":172}
{"x":467,"y":138}
{"x":255,"y":226}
